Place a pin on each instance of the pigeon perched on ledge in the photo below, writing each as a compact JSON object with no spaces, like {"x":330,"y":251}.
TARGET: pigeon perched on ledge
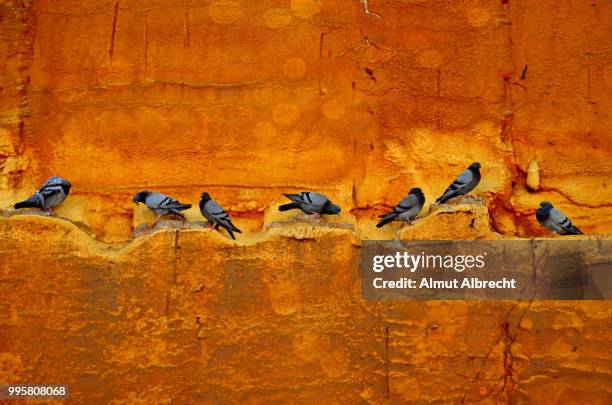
{"x":466,"y":182}
{"x":405,"y":210}
{"x":554,"y":220}
{"x":216,"y":215}
{"x":310,"y":203}
{"x":51,"y":194}
{"x":160,"y":204}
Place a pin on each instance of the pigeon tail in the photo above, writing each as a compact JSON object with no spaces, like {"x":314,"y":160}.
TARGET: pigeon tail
{"x":290,"y":206}
{"x":177,"y":213}
{"x":229,"y":230}
{"x":234,"y":228}
{"x":386,"y":219}
{"x":573,"y":230}
{"x":443,"y":199}
{"x":32,"y":202}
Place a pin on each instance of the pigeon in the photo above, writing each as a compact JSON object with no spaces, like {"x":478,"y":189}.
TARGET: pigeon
{"x":51,"y":194}
{"x":216,"y":215}
{"x":406,"y":210}
{"x":466,"y":182}
{"x":160,"y":204}
{"x":553,"y":219}
{"x":311,"y":203}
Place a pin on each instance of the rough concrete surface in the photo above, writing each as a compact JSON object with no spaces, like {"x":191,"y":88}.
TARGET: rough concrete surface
{"x":189,"y":316}
{"x":249,"y":99}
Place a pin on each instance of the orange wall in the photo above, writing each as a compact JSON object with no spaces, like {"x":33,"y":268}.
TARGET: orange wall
{"x":191,"y":317}
{"x":249,"y":99}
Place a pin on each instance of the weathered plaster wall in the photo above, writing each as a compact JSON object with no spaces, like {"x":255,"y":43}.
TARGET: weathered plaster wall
{"x":188,"y":316}
{"x":249,"y":99}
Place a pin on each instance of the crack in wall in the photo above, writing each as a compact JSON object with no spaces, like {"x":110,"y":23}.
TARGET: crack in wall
{"x":172,"y":284}
{"x":145,"y":42}
{"x":508,"y":339}
{"x":186,"y":37}
{"x":387,"y":378}
{"x":111,"y":47}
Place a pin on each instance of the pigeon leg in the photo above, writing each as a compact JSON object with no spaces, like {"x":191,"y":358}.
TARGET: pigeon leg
{"x":315,"y":215}
{"x":50,"y":212}
{"x":156,"y":219}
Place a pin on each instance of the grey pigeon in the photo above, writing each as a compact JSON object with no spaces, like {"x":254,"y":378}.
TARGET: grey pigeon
{"x":311,"y":203}
{"x":466,"y":182}
{"x":216,"y":215}
{"x":553,"y":219}
{"x":51,"y":194}
{"x":405,"y":210}
{"x":160,"y":204}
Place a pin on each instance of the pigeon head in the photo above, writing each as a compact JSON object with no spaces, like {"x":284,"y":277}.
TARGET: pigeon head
{"x":474,"y":166}
{"x":416,"y":191}
{"x":334,"y":209}
{"x":205,"y":196}
{"x":543,"y":211}
{"x":140,"y":197}
{"x":66,"y":186}
{"x":419,"y":194}
{"x":546,"y":205}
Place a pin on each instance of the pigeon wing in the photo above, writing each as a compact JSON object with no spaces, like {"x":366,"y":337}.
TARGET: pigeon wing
{"x":563,"y":222}
{"x":52,"y":186}
{"x":460,"y":183}
{"x":408,"y":202}
{"x":217,"y":215}
{"x":314,"y":199}
{"x":216,"y":211}
{"x":160,"y":201}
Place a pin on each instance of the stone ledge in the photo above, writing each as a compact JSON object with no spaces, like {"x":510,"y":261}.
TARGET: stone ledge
{"x":458,"y":221}
{"x":461,"y":218}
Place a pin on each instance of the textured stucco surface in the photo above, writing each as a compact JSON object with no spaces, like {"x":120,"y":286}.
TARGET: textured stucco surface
{"x":187,"y":316}
{"x":249,"y":99}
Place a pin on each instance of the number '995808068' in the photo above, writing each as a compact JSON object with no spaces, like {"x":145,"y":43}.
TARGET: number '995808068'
{"x":34,"y":391}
